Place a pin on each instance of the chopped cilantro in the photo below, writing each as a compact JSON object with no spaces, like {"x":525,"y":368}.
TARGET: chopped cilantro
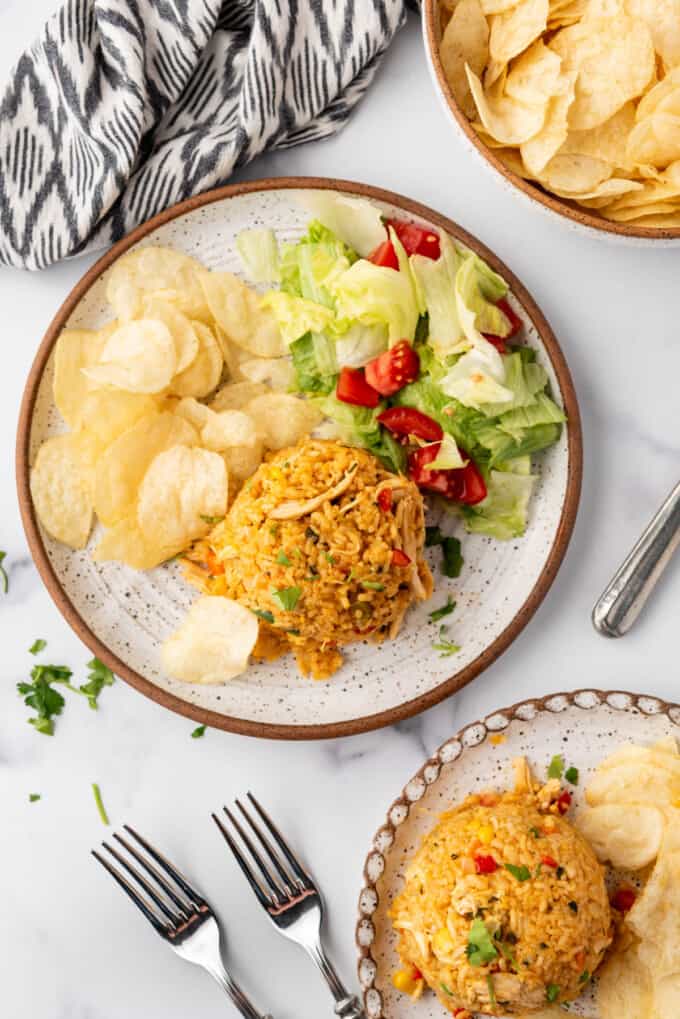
{"x":37,"y":646}
{"x":211,"y":520}
{"x":198,"y":732}
{"x":445,"y":610}
{"x":98,"y":677}
{"x":296,"y":633}
{"x":297,"y":552}
{"x":39,"y":695}
{"x":312,"y":576}
{"x":372,"y":585}
{"x":573,"y":906}
{"x":101,"y":809}
{"x":282,"y":559}
{"x":274,"y":529}
{"x":446,"y":990}
{"x":539,"y":868}
{"x":480,"y":948}
{"x":263,"y":614}
{"x":508,"y":953}
{"x":4,"y":579}
{"x":585,"y":977}
{"x":492,"y":991}
{"x":287,"y":597}
{"x":556,"y":767}
{"x":446,"y":648}
{"x":522,"y":873}
{"x":329,"y":558}
{"x":433,"y":536}
{"x":453,"y":560}
{"x":571,"y":775}
{"x":535,"y":832}
{"x":552,"y":992}
{"x":33,"y":797}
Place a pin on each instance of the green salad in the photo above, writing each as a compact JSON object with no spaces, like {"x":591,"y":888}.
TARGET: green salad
{"x":408,"y":345}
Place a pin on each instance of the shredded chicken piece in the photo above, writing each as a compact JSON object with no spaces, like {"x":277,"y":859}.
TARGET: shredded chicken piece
{"x":406,"y":522}
{"x":397,"y":621}
{"x":294,"y":509}
{"x":524,"y":780}
{"x":548,"y":793}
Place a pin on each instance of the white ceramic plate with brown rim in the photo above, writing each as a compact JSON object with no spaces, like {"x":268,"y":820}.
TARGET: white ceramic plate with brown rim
{"x":576,"y":216}
{"x":584,"y":726}
{"x":123,"y":616}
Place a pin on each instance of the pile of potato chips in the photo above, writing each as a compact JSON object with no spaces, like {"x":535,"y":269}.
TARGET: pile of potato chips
{"x":580,"y":96}
{"x":171,"y":407}
{"x":633,"y":822}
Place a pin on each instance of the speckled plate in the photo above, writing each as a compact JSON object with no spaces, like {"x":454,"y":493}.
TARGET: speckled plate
{"x":584,"y":726}
{"x":124,"y":615}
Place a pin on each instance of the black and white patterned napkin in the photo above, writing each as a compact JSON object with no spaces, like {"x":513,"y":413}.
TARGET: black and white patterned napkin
{"x":123,"y":107}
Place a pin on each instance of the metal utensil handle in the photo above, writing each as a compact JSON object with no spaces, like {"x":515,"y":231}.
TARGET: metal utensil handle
{"x":619,"y":606}
{"x":347,"y":1006}
{"x":234,"y":992}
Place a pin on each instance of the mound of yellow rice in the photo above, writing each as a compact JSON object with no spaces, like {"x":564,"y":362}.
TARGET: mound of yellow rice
{"x":504,"y":907}
{"x":308,"y":545}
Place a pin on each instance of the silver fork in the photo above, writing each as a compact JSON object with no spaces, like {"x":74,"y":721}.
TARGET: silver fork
{"x":176,"y":911}
{"x":287,"y":893}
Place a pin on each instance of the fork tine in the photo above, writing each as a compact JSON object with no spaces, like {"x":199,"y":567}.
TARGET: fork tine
{"x":174,"y":918}
{"x":295,"y":865}
{"x":185,"y":908}
{"x":195,"y":897}
{"x":279,"y":893}
{"x":139,"y":900}
{"x":265,"y":901}
{"x":268,"y":848}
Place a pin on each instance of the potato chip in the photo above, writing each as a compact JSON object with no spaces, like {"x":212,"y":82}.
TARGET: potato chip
{"x":496,"y":7}
{"x":654,"y":917}
{"x":634,"y":782}
{"x":624,"y":989}
{"x":152,"y":268}
{"x":181,"y":488}
{"x":125,"y":543}
{"x":107,"y":413}
{"x":138,"y":357}
{"x":213,"y":643}
{"x":122,"y":467}
{"x":651,"y":100}
{"x":204,"y":373}
{"x":74,"y":350}
{"x":514,"y":30}
{"x":615,"y":62}
{"x":61,"y":488}
{"x":667,"y":997}
{"x":635,"y":213}
{"x":535,"y":76}
{"x":197,"y":414}
{"x":656,"y":140}
{"x":236,"y":395}
{"x":663,"y":753}
{"x":227,"y":428}
{"x":282,"y":420}
{"x":606,"y":192}
{"x":236,"y":309}
{"x":465,"y":41}
{"x":627,"y":835}
{"x":242,"y":462}
{"x":274,"y":372}
{"x":508,"y":121}
{"x":662,"y":17}
{"x":540,"y":150}
{"x":574,"y":175}
{"x":606,"y":142}
{"x":179,"y":326}
{"x":665,"y":221}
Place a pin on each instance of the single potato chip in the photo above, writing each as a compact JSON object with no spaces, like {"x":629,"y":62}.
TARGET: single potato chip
{"x":138,"y":357}
{"x":107,"y":413}
{"x":540,"y":150}
{"x":535,"y":76}
{"x":122,"y":467}
{"x":204,"y":373}
{"x":274,"y":372}
{"x":662,"y":754}
{"x":574,"y":175}
{"x":606,"y":142}
{"x":515,"y":30}
{"x":227,"y":428}
{"x":197,"y":414}
{"x":634,"y":782}
{"x":183,"y":334}
{"x":624,"y":987}
{"x":662,"y":90}
{"x":213,"y":643}
{"x":506,"y":120}
{"x":153,"y":268}
{"x":667,"y":997}
{"x":125,"y":543}
{"x":282,"y":420}
{"x":61,"y":488}
{"x":466,"y":41}
{"x":181,"y":491}
{"x":74,"y":350}
{"x":615,"y":62}
{"x":236,"y":395}
{"x":655,"y":140}
{"x":627,"y":835}
{"x":242,"y":462}
{"x":654,"y":915}
{"x":236,"y":309}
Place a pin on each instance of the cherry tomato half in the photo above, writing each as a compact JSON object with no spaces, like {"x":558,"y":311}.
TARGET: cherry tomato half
{"x":417,"y":240}
{"x":385,"y":256}
{"x":408,"y":421}
{"x":394,"y":369}
{"x":353,"y":388}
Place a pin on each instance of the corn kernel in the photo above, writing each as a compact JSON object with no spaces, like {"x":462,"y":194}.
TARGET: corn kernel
{"x":485,"y":834}
{"x":676,"y":803}
{"x":403,"y":981}
{"x":497,"y":739}
{"x":442,"y":943}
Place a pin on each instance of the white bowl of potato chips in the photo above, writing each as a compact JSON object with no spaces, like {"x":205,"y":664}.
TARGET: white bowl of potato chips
{"x":575,"y":103}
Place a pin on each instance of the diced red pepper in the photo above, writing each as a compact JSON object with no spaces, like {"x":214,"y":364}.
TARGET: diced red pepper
{"x":384,"y":499}
{"x":515,"y":321}
{"x":385,"y":256}
{"x":549,"y":861}
{"x":485,"y":864}
{"x":623,"y":899}
{"x":399,"y":557}
{"x":489,"y":799}
{"x":353,"y":388}
{"x":564,"y":802}
{"x":417,"y":240}
{"x":415,"y":973}
{"x":408,"y":421}
{"x":394,"y":369}
{"x":215,"y":565}
{"x":497,"y":341}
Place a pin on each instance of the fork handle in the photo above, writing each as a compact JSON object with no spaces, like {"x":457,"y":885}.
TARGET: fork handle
{"x":347,"y":1006}
{"x":233,"y":991}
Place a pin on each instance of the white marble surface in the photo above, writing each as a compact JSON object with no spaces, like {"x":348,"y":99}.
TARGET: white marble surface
{"x":71,"y":946}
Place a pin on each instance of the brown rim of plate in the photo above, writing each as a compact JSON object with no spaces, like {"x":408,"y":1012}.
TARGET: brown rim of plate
{"x":562,"y":207}
{"x":450,"y":752}
{"x":353,"y":726}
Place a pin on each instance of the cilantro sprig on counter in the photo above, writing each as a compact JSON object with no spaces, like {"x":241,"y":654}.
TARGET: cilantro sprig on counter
{"x":47,"y":702}
{"x":4,"y":577}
